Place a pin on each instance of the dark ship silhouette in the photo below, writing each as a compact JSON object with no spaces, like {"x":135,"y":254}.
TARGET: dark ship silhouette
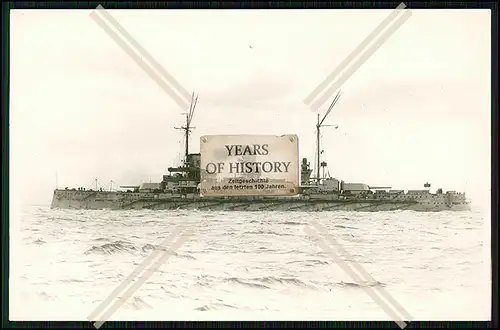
{"x":180,"y":189}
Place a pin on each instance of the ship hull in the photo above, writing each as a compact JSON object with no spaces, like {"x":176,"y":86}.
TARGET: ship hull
{"x":128,"y":201}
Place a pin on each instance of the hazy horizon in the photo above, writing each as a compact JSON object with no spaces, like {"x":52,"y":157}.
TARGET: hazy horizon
{"x":417,"y":111}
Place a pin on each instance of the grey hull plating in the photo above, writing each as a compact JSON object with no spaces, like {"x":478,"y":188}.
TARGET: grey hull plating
{"x":180,"y":189}
{"x":69,"y":199}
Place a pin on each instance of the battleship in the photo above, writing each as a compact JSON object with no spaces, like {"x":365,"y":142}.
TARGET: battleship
{"x":180,"y":189}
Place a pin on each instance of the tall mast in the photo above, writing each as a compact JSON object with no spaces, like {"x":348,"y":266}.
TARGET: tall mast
{"x":318,"y":152}
{"x":318,"y":127}
{"x":188,"y":127}
{"x":186,"y":134}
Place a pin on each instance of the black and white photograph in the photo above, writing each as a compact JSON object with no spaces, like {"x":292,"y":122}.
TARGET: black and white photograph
{"x":210,"y":164}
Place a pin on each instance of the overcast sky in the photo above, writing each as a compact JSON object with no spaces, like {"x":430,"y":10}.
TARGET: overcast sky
{"x":418,"y":110}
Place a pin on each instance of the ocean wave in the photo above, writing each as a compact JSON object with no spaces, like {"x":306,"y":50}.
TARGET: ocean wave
{"x":71,"y":280}
{"x":360,"y":285}
{"x":101,"y":239}
{"x":267,"y":282}
{"x":45,"y":296}
{"x":135,"y":303}
{"x":345,"y":227}
{"x":121,"y":246}
{"x":215,"y":306}
{"x":69,"y":219}
{"x":247,"y":283}
{"x":151,"y":247}
{"x":245,"y":271}
{"x":266,"y":232}
{"x":310,"y":262}
{"x":292,"y":223}
{"x":112,"y":248}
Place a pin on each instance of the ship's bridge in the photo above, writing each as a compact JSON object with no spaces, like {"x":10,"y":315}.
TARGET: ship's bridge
{"x":189,"y":172}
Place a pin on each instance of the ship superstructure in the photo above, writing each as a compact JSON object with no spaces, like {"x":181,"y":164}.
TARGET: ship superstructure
{"x":180,"y":189}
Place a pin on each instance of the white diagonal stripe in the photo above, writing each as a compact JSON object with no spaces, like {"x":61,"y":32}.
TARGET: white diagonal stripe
{"x":143,"y":265}
{"x":183,"y":100}
{"x":358,"y":50}
{"x":147,"y":274}
{"x":356,"y":278}
{"x":143,"y":52}
{"x":324,"y":232}
{"x":361,"y":60}
{"x":345,"y":267}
